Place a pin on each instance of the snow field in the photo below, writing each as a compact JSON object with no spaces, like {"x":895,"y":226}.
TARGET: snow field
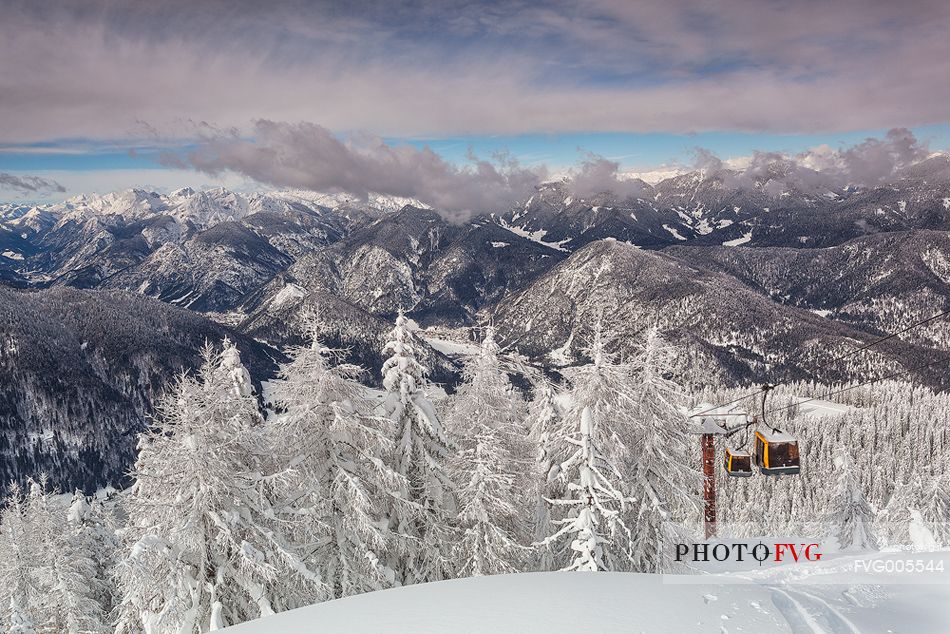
{"x":833,"y":595}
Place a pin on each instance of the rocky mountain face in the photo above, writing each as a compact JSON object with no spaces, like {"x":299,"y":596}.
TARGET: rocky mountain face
{"x":416,"y":261}
{"x":876,"y":283}
{"x":205,"y":249}
{"x":724,"y":208}
{"x":556,"y":217}
{"x":104,"y":298}
{"x":725,"y":328}
{"x":211,"y":271}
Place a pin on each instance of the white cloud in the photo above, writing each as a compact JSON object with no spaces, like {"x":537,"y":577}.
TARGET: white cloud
{"x":105,"y":181}
{"x":99,"y":69}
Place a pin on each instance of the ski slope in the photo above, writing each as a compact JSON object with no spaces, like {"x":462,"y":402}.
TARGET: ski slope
{"x":833,"y":595}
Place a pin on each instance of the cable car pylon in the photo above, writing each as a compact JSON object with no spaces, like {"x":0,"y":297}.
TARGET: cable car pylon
{"x":776,"y":453}
{"x":710,"y":427}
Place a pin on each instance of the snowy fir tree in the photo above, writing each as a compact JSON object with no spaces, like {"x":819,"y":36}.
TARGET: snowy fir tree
{"x":339,"y":481}
{"x":659,"y":463}
{"x":234,"y":371}
{"x":492,"y":468}
{"x":54,"y":584}
{"x":19,"y":591}
{"x":544,"y":425}
{"x":599,"y":539}
{"x":420,"y":456}
{"x":935,"y":507}
{"x":900,"y":521}
{"x":92,"y":534}
{"x":202,"y":546}
{"x":850,"y":518}
{"x":68,"y":573}
{"x":20,"y":622}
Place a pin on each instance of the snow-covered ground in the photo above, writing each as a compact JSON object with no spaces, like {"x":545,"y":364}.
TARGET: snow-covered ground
{"x":818,"y":408}
{"x":835,"y":594}
{"x":450,"y":347}
{"x":746,"y":237}
{"x":534,"y":236}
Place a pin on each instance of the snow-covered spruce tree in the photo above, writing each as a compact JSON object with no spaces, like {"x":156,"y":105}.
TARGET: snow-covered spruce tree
{"x":339,"y":483}
{"x":850,"y":518}
{"x":231,"y":367}
{"x":19,"y":591}
{"x":900,"y":522}
{"x":594,"y":496}
{"x":53,"y":584}
{"x":422,"y":450}
{"x":68,"y":573}
{"x":92,"y":535}
{"x":544,"y":424}
{"x":935,"y":508}
{"x":492,"y":468}
{"x":660,"y":464}
{"x":203,"y":548}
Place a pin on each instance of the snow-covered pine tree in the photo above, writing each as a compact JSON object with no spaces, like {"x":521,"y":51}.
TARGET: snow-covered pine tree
{"x":339,"y":482}
{"x":660,"y":460}
{"x":594,"y":497}
{"x":203,"y":548}
{"x":544,"y":424}
{"x":850,"y":518}
{"x":422,"y":450}
{"x":231,"y":366}
{"x":492,"y":468}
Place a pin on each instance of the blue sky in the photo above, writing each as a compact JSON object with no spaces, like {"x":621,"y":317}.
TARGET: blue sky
{"x":641,"y":83}
{"x":631,"y":150}
{"x":638,"y":151}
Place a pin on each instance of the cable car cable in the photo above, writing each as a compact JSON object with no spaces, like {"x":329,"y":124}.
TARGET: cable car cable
{"x":871,"y":344}
{"x":866,"y":346}
{"x":854,"y":387}
{"x":715,"y":407}
{"x":765,"y":392}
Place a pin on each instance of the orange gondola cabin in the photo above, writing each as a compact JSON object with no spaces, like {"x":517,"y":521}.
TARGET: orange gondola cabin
{"x":738,"y":463}
{"x":776,"y":453}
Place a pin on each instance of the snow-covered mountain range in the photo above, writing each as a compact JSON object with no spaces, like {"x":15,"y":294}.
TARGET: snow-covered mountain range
{"x":760,"y":280}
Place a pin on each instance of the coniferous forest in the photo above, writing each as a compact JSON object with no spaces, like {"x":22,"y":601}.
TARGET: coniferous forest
{"x":243,"y":503}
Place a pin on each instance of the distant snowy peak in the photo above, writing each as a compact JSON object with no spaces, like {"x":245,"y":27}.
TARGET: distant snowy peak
{"x":654,"y":176}
{"x":377,"y":202}
{"x":204,"y":208}
{"x":776,"y":204}
{"x":12,"y":211}
{"x":130,"y":203}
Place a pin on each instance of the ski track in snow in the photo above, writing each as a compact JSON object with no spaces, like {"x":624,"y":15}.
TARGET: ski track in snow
{"x":822,"y":617}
